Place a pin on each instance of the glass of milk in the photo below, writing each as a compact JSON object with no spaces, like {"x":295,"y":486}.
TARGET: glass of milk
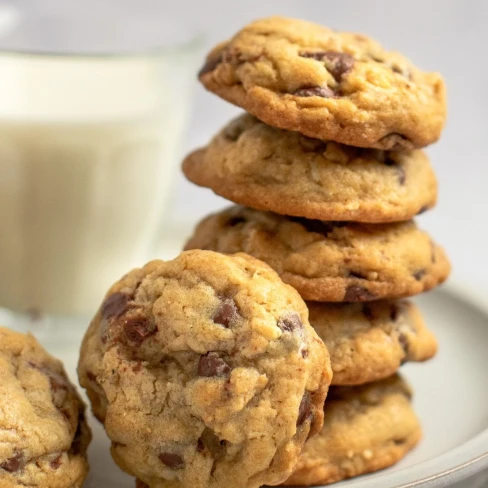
{"x":92,"y":108}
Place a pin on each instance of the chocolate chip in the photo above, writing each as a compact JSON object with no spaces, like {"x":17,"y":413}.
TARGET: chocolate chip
{"x":423,"y":209}
{"x":338,"y":64}
{"x":312,"y":145}
{"x":115,"y":305}
{"x":304,"y":353}
{"x":200,"y":445}
{"x":318,"y":226}
{"x":418,"y":275}
{"x":405,"y":344}
{"x":358,"y":274}
{"x":13,"y":464}
{"x":56,"y":380}
{"x":77,"y":444}
{"x":212,"y":443}
{"x":141,"y":484}
{"x":399,"y":442}
{"x":401,"y":71}
{"x":315,"y":91}
{"x":171,"y":460}
{"x":56,"y":462}
{"x":234,"y":221}
{"x":368,"y":312}
{"x":92,"y":377}
{"x":66,"y":414}
{"x":227,"y":313}
{"x":138,"y":329}
{"x":305,"y":410}
{"x":211,"y":364}
{"x":290,"y":322}
{"x":389,"y":161}
{"x":394,"y":67}
{"x":210,"y":64}
{"x":356,"y":293}
{"x":394,"y":312}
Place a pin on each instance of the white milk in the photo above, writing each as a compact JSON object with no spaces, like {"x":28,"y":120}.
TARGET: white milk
{"x":87,"y":155}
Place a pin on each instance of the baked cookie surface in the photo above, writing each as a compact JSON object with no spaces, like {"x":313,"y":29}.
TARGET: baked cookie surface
{"x":43,"y":432}
{"x":266,"y":168}
{"x":330,"y":85}
{"x":368,"y":342}
{"x":205,"y":372}
{"x":330,"y":261}
{"x":366,"y":428}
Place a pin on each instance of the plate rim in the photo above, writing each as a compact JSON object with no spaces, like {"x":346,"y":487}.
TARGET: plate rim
{"x":465,"y":460}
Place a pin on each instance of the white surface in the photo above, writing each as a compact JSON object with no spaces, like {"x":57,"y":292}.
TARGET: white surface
{"x":451,"y":399}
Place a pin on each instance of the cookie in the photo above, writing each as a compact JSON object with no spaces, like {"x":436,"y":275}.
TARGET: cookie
{"x":330,"y":261}
{"x":266,"y":168}
{"x":366,"y":429}
{"x":370,"y":341}
{"x":43,"y":433}
{"x":205,"y":372}
{"x":330,"y":85}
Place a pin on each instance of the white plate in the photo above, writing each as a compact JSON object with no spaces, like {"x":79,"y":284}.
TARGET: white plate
{"x":451,"y":398}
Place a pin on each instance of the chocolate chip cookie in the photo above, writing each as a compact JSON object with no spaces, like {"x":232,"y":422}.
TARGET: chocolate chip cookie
{"x":266,"y":168}
{"x":330,"y":85}
{"x":370,"y":341}
{"x":43,"y":433}
{"x":205,"y":372}
{"x":366,"y":429}
{"x":330,"y":261}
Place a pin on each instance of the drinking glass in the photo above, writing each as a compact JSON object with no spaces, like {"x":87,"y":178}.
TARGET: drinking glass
{"x":93,"y":103}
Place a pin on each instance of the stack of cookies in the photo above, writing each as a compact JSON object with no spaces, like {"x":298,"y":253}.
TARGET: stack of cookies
{"x":327,"y":172}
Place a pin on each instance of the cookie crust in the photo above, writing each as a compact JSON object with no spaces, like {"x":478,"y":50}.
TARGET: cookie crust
{"x":366,"y":429}
{"x":43,"y":433}
{"x":330,"y":261}
{"x":344,"y":87}
{"x":215,"y":361}
{"x":265,"y":168}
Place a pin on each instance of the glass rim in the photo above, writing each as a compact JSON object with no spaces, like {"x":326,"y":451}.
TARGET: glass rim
{"x":190,"y":45}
